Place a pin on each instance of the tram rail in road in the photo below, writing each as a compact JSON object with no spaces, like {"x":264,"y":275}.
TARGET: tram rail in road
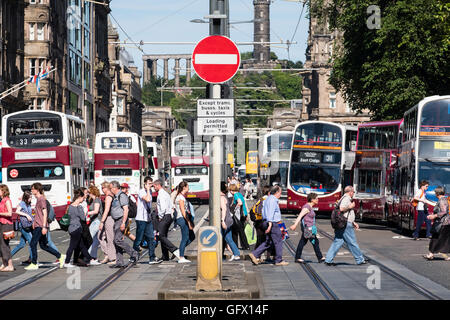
{"x":321,"y":285}
{"x":414,"y":286}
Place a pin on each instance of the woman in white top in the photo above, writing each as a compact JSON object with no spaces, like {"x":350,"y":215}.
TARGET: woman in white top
{"x":184,"y":219}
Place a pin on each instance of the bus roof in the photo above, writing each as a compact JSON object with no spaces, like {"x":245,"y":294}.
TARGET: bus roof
{"x":61,"y":114}
{"x":380,"y":123}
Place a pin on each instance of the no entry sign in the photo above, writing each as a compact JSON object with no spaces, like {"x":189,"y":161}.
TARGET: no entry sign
{"x":216,"y":59}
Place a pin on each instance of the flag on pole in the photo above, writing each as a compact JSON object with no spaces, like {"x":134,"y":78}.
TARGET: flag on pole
{"x":41,"y":75}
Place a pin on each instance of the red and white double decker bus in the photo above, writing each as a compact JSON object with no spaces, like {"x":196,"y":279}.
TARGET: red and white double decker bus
{"x":190,"y":162}
{"x":47,"y":147}
{"x":322,"y":159}
{"x":424,"y":154}
{"x":120,"y":156}
{"x":376,"y":158}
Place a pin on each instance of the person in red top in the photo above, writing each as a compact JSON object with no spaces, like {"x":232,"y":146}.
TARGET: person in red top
{"x":6,"y":226}
{"x":40,"y":228}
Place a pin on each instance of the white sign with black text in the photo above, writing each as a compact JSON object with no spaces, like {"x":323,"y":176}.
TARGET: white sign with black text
{"x":215,"y":108}
{"x":215,"y":126}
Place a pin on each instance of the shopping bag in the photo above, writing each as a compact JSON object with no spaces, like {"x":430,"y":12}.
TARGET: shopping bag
{"x":250,"y":233}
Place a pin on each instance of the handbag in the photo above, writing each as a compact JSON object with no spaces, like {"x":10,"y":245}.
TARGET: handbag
{"x":437,"y":225}
{"x":9,"y":233}
{"x":250,"y":234}
{"x":64,"y":223}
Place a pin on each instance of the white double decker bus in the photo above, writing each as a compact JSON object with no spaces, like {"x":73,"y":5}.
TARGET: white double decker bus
{"x":47,"y":147}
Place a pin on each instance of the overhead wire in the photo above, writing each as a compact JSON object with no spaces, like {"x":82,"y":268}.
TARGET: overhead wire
{"x":165,"y":17}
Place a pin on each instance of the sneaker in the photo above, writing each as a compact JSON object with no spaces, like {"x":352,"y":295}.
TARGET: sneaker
{"x":94,"y":262}
{"x":254,"y":259}
{"x":56,"y":262}
{"x":176,"y":253}
{"x":155,"y":261}
{"x":133,"y":260}
{"x":26,"y":262}
{"x":364,"y":262}
{"x":235,"y":258}
{"x":61,"y":261}
{"x":282,"y":263}
{"x":184,"y":260}
{"x":69,"y":265}
{"x":32,"y":266}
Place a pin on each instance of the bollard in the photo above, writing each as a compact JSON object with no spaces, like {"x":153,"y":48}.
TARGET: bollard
{"x":209,"y":266}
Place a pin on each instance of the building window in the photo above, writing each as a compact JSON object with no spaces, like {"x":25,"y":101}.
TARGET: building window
{"x":261,"y":56}
{"x":32,"y":67}
{"x":87,"y":42}
{"x":347,"y":107}
{"x":73,"y":102}
{"x":40,"y":31}
{"x":78,"y":71}
{"x":261,"y":14}
{"x":261,"y":27}
{"x":31,"y":31}
{"x":332,"y":100}
{"x":41,"y":65}
{"x":41,"y":103}
{"x":87,"y":77}
{"x":72,"y":59}
{"x":120,"y":105}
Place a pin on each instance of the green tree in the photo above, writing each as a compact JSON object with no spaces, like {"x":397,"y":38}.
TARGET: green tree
{"x":388,"y":70}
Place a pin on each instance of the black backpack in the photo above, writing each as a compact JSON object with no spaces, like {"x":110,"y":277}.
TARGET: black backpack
{"x":50,"y":212}
{"x":132,"y":208}
{"x":338,"y":221}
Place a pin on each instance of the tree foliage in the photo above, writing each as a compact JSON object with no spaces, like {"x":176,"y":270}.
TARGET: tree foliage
{"x":388,"y":70}
{"x":288,"y":85}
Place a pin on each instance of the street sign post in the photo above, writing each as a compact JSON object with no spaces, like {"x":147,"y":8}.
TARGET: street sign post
{"x":216,"y":59}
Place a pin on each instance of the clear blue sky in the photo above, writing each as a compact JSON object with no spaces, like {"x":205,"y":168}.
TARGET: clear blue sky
{"x":168,"y":20}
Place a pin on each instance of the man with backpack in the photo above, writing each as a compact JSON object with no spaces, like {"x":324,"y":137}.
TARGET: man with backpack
{"x":347,"y":233}
{"x":119,"y":212}
{"x":132,"y":210}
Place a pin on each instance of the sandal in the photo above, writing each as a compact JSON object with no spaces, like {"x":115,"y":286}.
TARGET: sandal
{"x":428,"y":257}
{"x":7,"y":270}
{"x":300,"y":261}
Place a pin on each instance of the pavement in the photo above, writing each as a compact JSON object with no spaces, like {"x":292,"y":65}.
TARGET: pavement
{"x":243,"y":280}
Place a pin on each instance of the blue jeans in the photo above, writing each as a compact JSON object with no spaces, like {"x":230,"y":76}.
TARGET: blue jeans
{"x":44,"y":244}
{"x":93,"y":230}
{"x":144,"y":230}
{"x":50,"y":242}
{"x":229,"y":239}
{"x":187,"y":236}
{"x":346,"y":235}
{"x":26,"y":237}
{"x":421,"y":217}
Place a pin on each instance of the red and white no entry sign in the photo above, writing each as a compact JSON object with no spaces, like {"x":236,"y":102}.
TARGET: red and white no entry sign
{"x":216,"y":59}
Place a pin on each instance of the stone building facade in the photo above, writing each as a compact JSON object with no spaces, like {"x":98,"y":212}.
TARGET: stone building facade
{"x":127,"y":107}
{"x":284,"y":119}
{"x":11,"y":53}
{"x":320,"y":99}
{"x":158,"y":125}
{"x":70,"y":36}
